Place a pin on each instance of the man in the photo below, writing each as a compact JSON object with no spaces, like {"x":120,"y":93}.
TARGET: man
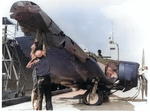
{"x":34,"y":47}
{"x":99,"y":53}
{"x":42,"y":66}
{"x":34,"y":76}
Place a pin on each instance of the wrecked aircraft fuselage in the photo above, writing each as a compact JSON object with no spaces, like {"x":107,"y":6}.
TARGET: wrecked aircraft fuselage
{"x":69,"y":64}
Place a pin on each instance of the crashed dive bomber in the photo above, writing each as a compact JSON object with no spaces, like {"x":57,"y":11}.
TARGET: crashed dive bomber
{"x":69,"y":64}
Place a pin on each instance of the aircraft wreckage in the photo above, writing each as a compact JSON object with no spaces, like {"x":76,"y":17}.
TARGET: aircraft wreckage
{"x":69,"y":64}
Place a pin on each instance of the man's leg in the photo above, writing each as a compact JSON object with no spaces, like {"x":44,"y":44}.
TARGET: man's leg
{"x":48,"y":98}
{"x":40,"y":94}
{"x":34,"y":90}
{"x":33,"y":97}
{"x":47,"y":91}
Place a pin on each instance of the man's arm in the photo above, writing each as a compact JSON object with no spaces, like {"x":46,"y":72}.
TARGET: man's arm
{"x":44,"y":50}
{"x":32,"y":63}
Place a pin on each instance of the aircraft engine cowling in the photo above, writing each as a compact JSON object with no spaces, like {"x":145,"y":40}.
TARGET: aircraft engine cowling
{"x":128,"y":74}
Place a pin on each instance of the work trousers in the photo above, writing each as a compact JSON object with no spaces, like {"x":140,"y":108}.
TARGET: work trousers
{"x":34,"y":90}
{"x":44,"y":87}
{"x":34,"y":76}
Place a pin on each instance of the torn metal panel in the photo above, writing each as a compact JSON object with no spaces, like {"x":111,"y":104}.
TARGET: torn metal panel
{"x":54,"y":28}
{"x":72,"y":47}
{"x":46,"y":19}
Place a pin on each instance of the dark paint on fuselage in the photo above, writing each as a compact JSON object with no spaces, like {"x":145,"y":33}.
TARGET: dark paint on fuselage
{"x":62,"y":67}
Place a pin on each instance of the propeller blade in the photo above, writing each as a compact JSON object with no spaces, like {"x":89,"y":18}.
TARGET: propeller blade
{"x":142,"y":76}
{"x":143,"y":59}
{"x":146,"y":89}
{"x":142,"y":90}
{"x":143,"y":86}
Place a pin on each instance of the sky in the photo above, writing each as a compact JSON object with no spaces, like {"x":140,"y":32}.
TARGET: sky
{"x":89,"y":23}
